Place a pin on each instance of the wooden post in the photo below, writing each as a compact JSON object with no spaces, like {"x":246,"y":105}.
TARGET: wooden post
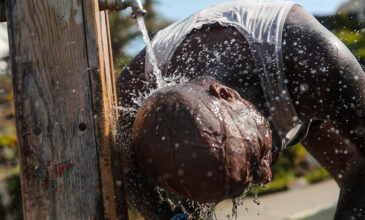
{"x":64,"y":97}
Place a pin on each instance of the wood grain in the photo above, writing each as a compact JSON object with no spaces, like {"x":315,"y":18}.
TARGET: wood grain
{"x":104,"y":98}
{"x":64,"y":95}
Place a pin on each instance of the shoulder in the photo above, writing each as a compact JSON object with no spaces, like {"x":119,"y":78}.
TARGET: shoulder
{"x":304,"y":33}
{"x":300,"y":21}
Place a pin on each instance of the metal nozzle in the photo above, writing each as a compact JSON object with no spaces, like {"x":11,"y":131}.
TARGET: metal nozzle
{"x":115,"y":5}
{"x":136,"y":6}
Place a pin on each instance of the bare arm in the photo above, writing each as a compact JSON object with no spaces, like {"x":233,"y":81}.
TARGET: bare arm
{"x":327,"y":83}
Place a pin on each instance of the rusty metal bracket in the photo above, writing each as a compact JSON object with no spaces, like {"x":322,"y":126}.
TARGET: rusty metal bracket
{"x":112,"y":5}
{"x":116,"y":5}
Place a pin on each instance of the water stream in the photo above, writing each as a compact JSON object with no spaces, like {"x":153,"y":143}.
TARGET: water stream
{"x":156,"y":71}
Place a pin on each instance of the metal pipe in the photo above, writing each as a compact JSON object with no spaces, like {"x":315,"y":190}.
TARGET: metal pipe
{"x":115,"y":5}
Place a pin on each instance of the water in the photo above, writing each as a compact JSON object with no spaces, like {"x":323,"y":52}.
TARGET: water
{"x":156,"y":71}
{"x":204,"y":211}
{"x":256,"y":201}
{"x":161,"y":82}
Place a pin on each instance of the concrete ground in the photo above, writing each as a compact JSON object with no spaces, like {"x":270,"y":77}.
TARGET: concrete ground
{"x":316,"y":201}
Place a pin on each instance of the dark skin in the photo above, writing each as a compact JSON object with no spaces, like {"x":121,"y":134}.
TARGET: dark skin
{"x":325,"y":83}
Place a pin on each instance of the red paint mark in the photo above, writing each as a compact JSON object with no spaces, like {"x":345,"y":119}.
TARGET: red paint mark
{"x":55,"y":171}
{"x":62,"y":168}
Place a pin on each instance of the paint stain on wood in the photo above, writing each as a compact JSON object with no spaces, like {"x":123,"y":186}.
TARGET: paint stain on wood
{"x":54,"y":173}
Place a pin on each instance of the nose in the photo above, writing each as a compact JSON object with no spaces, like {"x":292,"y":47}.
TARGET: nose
{"x":221,"y":92}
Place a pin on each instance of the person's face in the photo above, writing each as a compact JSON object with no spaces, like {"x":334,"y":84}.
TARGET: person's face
{"x":214,"y":135}
{"x":233,"y":127}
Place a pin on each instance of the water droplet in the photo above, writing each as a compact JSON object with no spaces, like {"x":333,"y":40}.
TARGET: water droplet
{"x":323,"y":69}
{"x":180,"y":172}
{"x":256,"y":201}
{"x":303,"y":87}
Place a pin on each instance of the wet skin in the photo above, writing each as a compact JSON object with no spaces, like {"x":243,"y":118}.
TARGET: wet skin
{"x":222,"y":141}
{"x":325,"y":82}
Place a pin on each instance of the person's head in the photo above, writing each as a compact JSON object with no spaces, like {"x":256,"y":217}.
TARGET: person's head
{"x":202,"y":141}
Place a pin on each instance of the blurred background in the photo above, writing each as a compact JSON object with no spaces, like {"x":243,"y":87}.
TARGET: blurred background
{"x":295,"y":167}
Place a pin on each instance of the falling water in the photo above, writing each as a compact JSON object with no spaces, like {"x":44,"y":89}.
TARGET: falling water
{"x":204,"y":211}
{"x":256,"y":201}
{"x":161,"y":82}
{"x":156,"y":71}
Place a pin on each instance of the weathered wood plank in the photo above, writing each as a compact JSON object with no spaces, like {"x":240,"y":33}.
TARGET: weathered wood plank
{"x":104,"y":94}
{"x":63,"y":98}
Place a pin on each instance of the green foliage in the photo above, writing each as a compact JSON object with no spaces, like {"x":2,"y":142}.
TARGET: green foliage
{"x":279,"y":183}
{"x":14,"y":190}
{"x":289,"y":159}
{"x":133,"y":215}
{"x":6,"y":93}
{"x":6,"y":98}
{"x":346,"y":21}
{"x":8,"y":140}
{"x":120,"y":62}
{"x":350,"y":31}
{"x":354,"y":40}
{"x":2,"y":209}
{"x":123,"y":60}
{"x":317,"y":175}
{"x":284,"y":170}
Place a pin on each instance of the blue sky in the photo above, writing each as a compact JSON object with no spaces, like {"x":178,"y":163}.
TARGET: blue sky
{"x":177,"y":9}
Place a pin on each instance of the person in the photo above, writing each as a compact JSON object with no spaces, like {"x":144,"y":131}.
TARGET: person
{"x":277,"y":56}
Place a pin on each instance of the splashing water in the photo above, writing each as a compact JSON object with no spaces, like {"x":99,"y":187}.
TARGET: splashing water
{"x":156,"y":71}
{"x":256,"y":201}
{"x":203,"y":211}
{"x":161,"y":82}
